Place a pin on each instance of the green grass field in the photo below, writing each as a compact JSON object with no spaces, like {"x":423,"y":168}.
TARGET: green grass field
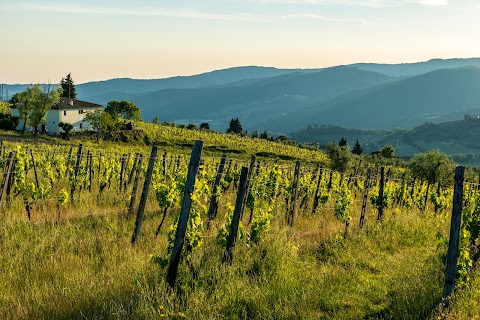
{"x":80,"y":264}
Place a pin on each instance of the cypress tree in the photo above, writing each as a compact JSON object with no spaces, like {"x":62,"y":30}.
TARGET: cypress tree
{"x":235,"y":126}
{"x":357,"y":148}
{"x":68,"y":87}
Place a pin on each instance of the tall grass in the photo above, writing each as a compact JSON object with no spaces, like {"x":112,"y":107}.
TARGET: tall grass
{"x":85,"y":267}
{"x":466,"y":300}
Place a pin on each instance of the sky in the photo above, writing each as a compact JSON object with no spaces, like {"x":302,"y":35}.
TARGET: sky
{"x":43,"y":41}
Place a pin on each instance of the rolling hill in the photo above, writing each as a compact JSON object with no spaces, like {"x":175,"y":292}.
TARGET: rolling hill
{"x":213,"y":78}
{"x":441,"y":95}
{"x":417,"y":68}
{"x":458,"y":138}
{"x":364,"y":95}
{"x":255,"y":103}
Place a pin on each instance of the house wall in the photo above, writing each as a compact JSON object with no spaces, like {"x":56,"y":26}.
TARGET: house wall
{"x":55,"y":116}
{"x":53,"y":119}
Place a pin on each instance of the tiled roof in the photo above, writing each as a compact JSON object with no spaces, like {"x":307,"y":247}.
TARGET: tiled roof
{"x":66,"y":103}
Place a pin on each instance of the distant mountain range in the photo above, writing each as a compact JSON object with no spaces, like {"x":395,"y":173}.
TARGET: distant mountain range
{"x":458,"y":138}
{"x":446,"y":94}
{"x":365,"y":95}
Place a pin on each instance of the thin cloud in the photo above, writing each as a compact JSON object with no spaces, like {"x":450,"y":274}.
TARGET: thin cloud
{"x":300,"y":16}
{"x":154,"y":12}
{"x":364,"y":3}
{"x":311,"y":16}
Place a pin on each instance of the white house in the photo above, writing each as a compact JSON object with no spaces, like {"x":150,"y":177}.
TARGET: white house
{"x":68,"y":110}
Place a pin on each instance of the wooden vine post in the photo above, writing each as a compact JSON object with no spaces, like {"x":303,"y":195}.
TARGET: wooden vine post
{"x":293,"y":209}
{"x":34,"y":168}
{"x":365,"y":198}
{"x":426,"y":194}
{"x":10,"y":179}
{"x":99,"y":165}
{"x":184,"y":212}
{"x":134,"y":168}
{"x":76,"y":171}
{"x":456,"y":221}
{"x":380,"y":193}
{"x":438,"y":195}
{"x":412,"y":189}
{"x":7,"y":176}
{"x":237,"y":214}
{"x":164,"y":165}
{"x":122,"y":170}
{"x":213,"y":208}
{"x":143,"y":198}
{"x":330,"y":180}
{"x":68,"y":160}
{"x":250,"y":173}
{"x":401,"y":196}
{"x":317,"y":190}
{"x":135,"y":186}
{"x":90,"y":170}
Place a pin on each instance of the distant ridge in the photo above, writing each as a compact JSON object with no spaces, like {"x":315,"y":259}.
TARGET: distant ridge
{"x":417,"y":68}
{"x":458,"y":138}
{"x":362,"y":95}
{"x":440,"y":95}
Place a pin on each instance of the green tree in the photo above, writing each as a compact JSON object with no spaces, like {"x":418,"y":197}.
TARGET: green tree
{"x":388,"y":152}
{"x":68,"y":87}
{"x":102,"y":121}
{"x":66,"y":127}
{"x":235,"y":126}
{"x":123,"y":109}
{"x":342,"y":142}
{"x":282,"y":139}
{"x":264,"y":135}
{"x":431,"y":166}
{"x":45,"y":100}
{"x":204,"y":126}
{"x":192,"y":126}
{"x":357,"y":148}
{"x":339,"y":157}
{"x":155,"y":120}
{"x":25,"y":102}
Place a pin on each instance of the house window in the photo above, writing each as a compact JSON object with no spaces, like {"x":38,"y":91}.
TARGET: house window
{"x":81,"y":125}
{"x":80,"y":111}
{"x":64,"y":112}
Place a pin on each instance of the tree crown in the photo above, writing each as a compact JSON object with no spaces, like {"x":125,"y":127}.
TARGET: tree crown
{"x":68,"y":87}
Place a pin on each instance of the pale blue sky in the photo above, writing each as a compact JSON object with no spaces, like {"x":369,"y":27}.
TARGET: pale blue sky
{"x":44,"y":40}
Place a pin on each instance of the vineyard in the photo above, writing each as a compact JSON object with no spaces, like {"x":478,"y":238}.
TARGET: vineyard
{"x":123,"y":231}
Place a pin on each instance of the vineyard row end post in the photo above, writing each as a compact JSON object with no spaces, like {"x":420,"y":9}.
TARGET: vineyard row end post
{"x":237,"y":214}
{"x":143,"y":198}
{"x":456,"y":221}
{"x":6,"y":176}
{"x":184,"y":212}
{"x":212,"y":210}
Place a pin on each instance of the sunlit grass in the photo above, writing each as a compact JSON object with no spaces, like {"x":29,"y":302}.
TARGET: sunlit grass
{"x":85,"y":267}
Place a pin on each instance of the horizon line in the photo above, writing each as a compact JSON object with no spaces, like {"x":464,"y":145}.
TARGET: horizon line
{"x":258,"y":66}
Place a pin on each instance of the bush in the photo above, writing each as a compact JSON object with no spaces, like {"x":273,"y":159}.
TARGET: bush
{"x":9,"y":122}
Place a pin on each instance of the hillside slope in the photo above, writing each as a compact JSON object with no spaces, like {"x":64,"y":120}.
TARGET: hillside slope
{"x":457,"y":138}
{"x":418,"y":68}
{"x":213,"y":78}
{"x":255,"y":104}
{"x":436,"y":96}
